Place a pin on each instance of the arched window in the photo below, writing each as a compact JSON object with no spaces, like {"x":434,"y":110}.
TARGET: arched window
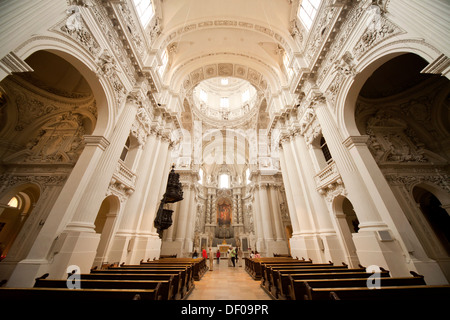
{"x":200,"y":173}
{"x":247,"y":175}
{"x":144,"y":10}
{"x":224,"y":181}
{"x":246,"y":95}
{"x":203,"y":95}
{"x":125,"y":150}
{"x":307,"y":12}
{"x":325,"y":150}
{"x":224,"y":102}
{"x":165,"y":60}
{"x":14,"y":202}
{"x":286,"y":64}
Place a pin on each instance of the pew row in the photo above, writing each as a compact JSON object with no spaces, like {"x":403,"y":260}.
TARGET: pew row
{"x":165,"y":291}
{"x":181,"y":276}
{"x":254,"y":266}
{"x":65,"y":294}
{"x":301,"y":289}
{"x":405,"y":293}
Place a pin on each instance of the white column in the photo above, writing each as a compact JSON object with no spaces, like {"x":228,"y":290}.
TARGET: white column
{"x":392,"y":212}
{"x":130,"y":215}
{"x":370,"y":249}
{"x":278,"y":225}
{"x":190,"y":225}
{"x":147,"y":244}
{"x":289,"y":195}
{"x":257,"y":220}
{"x":86,"y":212}
{"x":332,"y":245}
{"x":170,"y":232}
{"x":157,"y":182}
{"x":183,"y":218}
{"x":304,"y":212}
{"x":79,"y":241}
{"x":357,"y":189}
{"x":265,"y":214}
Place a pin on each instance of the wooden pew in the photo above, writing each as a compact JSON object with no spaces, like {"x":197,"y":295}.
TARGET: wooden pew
{"x":254,"y":265}
{"x":165,"y":286}
{"x":300,"y":289}
{"x":274,"y":285}
{"x":270,"y":276}
{"x":176,"y":279}
{"x":70,"y":295}
{"x":251,"y":262}
{"x":427,"y":292}
{"x":198,"y":264}
{"x":184,"y":290}
{"x":286,"y":287}
{"x":302,"y":264}
{"x":186,"y":271}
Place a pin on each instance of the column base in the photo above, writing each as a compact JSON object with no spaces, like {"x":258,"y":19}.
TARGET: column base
{"x":182,"y":248}
{"x":432,"y":272}
{"x":146,"y":247}
{"x":120,"y":249}
{"x":332,"y":250}
{"x":74,"y":250}
{"x":25,"y":272}
{"x":174,"y":247}
{"x":380,"y":249}
{"x":308,"y":246}
{"x":276,"y":247}
{"x":261,"y":247}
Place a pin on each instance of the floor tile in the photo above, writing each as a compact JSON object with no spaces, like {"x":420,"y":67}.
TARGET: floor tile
{"x":227,"y":283}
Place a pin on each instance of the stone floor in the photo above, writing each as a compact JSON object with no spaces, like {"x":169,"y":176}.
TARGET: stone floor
{"x":227,"y":283}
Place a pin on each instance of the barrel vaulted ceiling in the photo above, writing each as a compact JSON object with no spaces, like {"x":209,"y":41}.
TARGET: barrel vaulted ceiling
{"x":207,"y":38}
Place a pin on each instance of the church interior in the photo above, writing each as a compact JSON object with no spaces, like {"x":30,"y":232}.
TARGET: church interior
{"x":304,"y":133}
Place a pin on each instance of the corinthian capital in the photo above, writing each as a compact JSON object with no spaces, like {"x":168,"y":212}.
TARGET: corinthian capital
{"x":318,"y":99}
{"x":135,"y":98}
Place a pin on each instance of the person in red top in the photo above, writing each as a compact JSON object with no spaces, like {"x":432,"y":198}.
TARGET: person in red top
{"x":204,"y":254}
{"x":218,"y":256}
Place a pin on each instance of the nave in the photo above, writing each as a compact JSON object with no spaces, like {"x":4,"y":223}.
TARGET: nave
{"x":227,"y":283}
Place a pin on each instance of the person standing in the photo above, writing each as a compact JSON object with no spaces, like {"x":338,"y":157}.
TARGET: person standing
{"x":233,"y":257}
{"x":211,"y":259}
{"x":218,"y":256}
{"x":240,"y":256}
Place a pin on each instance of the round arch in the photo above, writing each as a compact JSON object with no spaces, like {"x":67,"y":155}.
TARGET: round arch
{"x":105,"y":225}
{"x":87,"y":66}
{"x":371,"y":61}
{"x":347,"y":224}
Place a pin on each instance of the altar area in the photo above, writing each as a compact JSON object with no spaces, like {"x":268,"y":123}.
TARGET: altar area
{"x":222,"y":218}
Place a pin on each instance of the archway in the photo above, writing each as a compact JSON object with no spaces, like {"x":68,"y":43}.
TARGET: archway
{"x":48,"y":113}
{"x":14,"y":214}
{"x":104,"y":225}
{"x":403,"y":114}
{"x":347,"y":223}
{"x":437,"y":217}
